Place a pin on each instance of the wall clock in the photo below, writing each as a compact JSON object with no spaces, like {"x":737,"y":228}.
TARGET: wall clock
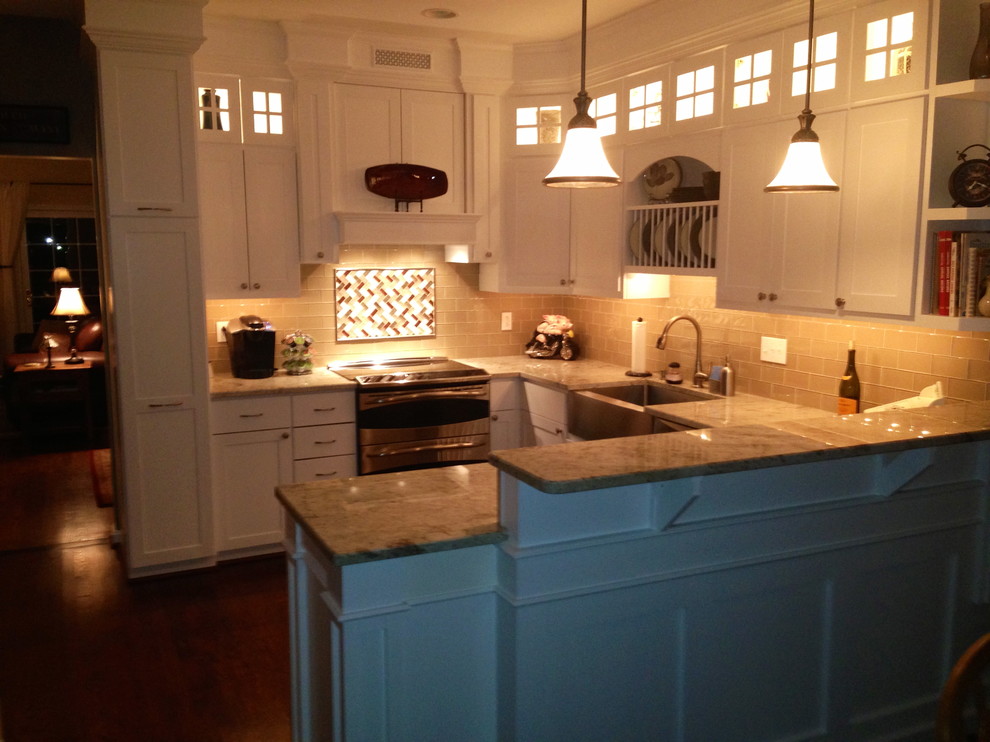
{"x":969,"y":183}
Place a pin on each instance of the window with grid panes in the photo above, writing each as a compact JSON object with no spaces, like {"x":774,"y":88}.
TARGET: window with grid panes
{"x":603,"y":110}
{"x":538,"y":125}
{"x":645,"y":105}
{"x":214,"y":108}
{"x":751,"y":79}
{"x":266,"y":112}
{"x":823,"y":74}
{"x":695,"y":94}
{"x":888,"y":47}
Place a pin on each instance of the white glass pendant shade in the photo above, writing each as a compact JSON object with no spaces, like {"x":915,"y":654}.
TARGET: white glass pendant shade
{"x":582,"y":162}
{"x":804,"y":169}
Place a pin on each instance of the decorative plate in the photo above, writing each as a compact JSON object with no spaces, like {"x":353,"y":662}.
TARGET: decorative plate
{"x":661,"y":178}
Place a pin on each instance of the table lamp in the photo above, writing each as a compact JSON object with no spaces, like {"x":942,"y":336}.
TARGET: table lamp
{"x":71,"y":306}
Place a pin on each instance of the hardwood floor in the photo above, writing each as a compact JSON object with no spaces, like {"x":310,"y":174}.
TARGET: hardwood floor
{"x":86,"y":655}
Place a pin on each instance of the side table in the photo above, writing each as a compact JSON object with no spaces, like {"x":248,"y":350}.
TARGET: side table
{"x":53,"y":399}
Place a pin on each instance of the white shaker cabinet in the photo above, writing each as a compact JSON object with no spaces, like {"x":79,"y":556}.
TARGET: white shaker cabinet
{"x":544,"y":415}
{"x":880,"y":208}
{"x":324,"y":436}
{"x":252,"y":454}
{"x":249,"y":221}
{"x":560,"y":241}
{"x":147,"y":114}
{"x":776,"y":252}
{"x":378,"y":126}
{"x":506,"y":416}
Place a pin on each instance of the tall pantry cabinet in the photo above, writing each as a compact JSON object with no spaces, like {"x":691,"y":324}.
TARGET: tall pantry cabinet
{"x":157,"y":357}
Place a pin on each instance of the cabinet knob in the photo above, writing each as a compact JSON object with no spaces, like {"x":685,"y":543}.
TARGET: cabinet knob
{"x":495,"y":417}
{"x":285,"y":435}
{"x":244,"y":285}
{"x":772,"y":297}
{"x":319,"y":254}
{"x":257,"y":286}
{"x":840,"y":303}
{"x":761,"y":296}
{"x":563,"y":281}
{"x":560,"y":431}
{"x":488,"y":254}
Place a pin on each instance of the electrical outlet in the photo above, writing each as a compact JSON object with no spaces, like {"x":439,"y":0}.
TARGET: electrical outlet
{"x":773,"y":350}
{"x":221,"y":338}
{"x":506,"y":320}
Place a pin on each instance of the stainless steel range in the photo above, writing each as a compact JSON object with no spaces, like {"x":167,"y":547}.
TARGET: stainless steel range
{"x":416,"y":413}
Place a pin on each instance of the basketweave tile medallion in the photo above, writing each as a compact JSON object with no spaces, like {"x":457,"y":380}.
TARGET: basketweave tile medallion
{"x":385,"y":303}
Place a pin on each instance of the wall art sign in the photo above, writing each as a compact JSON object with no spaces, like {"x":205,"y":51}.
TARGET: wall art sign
{"x":34,"y":124}
{"x":385,"y":303}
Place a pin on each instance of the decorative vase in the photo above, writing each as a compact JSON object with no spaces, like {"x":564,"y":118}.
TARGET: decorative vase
{"x":984,"y":305}
{"x":979,"y":63}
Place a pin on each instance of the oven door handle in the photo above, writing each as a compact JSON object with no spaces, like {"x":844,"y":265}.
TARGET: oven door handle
{"x":428,"y":394}
{"x":430,"y":447}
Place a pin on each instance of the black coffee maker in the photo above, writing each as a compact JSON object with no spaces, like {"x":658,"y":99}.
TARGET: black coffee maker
{"x":251,"y":344}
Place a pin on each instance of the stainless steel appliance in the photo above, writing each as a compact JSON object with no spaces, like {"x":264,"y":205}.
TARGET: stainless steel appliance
{"x":416,"y":413}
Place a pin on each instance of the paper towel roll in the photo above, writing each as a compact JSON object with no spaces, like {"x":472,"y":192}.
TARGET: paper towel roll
{"x":638,"y":364}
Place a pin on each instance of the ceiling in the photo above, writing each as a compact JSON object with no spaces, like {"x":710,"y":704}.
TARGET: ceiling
{"x":506,"y":20}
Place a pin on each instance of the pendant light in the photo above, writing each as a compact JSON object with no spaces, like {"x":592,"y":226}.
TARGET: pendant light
{"x":804,"y":170}
{"x":582,"y":162}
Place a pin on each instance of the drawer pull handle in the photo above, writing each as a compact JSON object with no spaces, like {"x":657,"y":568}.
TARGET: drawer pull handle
{"x":326,"y":474}
{"x":153,"y":208}
{"x":324,"y":409}
{"x":325,"y":443}
{"x":166,"y":404}
{"x":254,"y":414}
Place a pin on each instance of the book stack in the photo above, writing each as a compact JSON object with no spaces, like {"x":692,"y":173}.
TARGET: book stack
{"x":961,"y":266}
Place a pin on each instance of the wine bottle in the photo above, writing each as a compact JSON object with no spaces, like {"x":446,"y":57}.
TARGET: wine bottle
{"x":849,"y":386}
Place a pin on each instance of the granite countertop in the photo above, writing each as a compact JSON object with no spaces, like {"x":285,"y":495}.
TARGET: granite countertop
{"x":363,"y":519}
{"x":653,"y":458}
{"x":223,"y":384}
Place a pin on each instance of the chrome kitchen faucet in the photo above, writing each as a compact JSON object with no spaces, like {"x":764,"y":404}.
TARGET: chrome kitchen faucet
{"x":699,"y":375}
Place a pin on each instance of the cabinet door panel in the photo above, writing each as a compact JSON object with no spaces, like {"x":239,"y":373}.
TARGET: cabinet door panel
{"x":272,"y":221}
{"x":880,"y":207}
{"x":749,"y":155}
{"x":368,"y":133}
{"x":246,"y":469}
{"x":597,"y":238}
{"x":433,"y":135}
{"x":150,"y":158}
{"x":323,"y":408}
{"x":249,"y":413}
{"x":538,"y":228}
{"x":806,"y":227}
{"x":223,"y":224}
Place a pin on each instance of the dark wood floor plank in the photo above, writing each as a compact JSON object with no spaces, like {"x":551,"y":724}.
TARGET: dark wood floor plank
{"x":86,"y":656}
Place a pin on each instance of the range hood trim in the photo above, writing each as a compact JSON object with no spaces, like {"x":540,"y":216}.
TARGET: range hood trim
{"x":402,"y":228}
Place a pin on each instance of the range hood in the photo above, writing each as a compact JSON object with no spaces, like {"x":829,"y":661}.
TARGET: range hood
{"x":406,"y":228}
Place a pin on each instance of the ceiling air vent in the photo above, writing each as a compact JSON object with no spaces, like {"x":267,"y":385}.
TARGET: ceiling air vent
{"x":408,"y":60}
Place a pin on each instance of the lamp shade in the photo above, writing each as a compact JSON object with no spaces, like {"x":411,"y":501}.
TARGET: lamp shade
{"x":582,"y":162}
{"x":70,"y":303}
{"x":803,"y":171}
{"x":61,"y":275}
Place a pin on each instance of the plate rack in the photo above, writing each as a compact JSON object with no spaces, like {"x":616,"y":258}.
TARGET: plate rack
{"x":677,"y":237}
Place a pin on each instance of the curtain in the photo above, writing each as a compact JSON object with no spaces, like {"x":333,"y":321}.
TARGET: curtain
{"x":13,"y":309}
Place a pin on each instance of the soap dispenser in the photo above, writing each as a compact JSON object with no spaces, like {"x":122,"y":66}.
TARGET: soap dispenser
{"x":728,"y":379}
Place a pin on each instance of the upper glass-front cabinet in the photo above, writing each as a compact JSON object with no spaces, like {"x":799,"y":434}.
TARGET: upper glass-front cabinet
{"x":244,"y":110}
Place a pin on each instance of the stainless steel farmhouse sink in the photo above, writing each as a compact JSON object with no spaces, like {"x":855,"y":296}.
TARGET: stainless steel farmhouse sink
{"x":619,"y":411}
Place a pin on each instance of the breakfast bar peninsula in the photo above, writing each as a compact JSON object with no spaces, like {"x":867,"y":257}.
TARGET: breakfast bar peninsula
{"x":808,"y":579}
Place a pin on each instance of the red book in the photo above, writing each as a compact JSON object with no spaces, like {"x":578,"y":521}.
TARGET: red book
{"x":944,"y":257}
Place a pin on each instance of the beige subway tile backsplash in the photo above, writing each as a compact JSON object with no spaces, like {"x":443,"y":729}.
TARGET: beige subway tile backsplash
{"x":894,"y":361}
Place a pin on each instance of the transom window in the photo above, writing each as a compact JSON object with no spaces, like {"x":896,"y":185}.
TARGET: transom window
{"x":603,"y":110}
{"x":538,"y":125}
{"x":888,"y":47}
{"x":823,"y":75}
{"x":751,"y":79}
{"x":645,"y":106}
{"x":214,"y":109}
{"x":267,"y":112}
{"x":695,"y":94}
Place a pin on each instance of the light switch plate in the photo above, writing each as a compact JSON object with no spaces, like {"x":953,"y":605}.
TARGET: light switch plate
{"x":506,"y":320}
{"x":220,"y":336}
{"x":773,"y":350}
